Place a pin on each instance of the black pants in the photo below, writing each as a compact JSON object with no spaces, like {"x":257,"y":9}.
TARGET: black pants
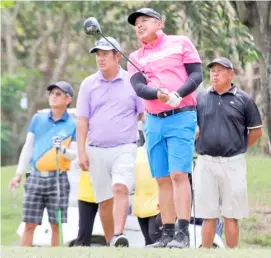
{"x":87,"y":214}
{"x":150,"y":228}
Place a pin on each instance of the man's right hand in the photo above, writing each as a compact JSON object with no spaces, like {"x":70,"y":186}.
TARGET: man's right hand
{"x":15,"y":182}
{"x":83,"y":161}
{"x":162,"y":95}
{"x":197,"y":133}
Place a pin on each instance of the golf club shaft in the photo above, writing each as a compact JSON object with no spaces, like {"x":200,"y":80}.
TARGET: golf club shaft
{"x":59,"y":215}
{"x":127,"y":59}
{"x":193,"y":202}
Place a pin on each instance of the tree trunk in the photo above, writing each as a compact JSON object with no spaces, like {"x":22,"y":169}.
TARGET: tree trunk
{"x":256,"y":15}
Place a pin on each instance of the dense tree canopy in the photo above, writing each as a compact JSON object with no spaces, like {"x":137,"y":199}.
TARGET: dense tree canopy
{"x":43,"y":42}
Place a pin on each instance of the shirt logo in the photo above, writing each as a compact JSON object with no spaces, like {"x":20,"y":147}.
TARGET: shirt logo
{"x":232,"y":102}
{"x":63,"y":133}
{"x":160,"y":55}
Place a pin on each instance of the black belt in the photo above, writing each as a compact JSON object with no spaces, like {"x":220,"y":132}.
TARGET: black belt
{"x":174,"y":111}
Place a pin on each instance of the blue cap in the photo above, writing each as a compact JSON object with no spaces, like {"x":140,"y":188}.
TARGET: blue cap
{"x":222,"y":61}
{"x":62,"y":85}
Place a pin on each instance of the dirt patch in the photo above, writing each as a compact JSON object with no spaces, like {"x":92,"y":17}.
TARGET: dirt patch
{"x":256,"y":230}
{"x":263,"y":216}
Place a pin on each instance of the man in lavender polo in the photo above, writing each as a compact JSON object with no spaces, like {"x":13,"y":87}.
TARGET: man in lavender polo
{"x":108,"y":110}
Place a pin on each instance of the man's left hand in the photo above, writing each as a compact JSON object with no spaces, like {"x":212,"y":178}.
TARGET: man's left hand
{"x":174,"y":99}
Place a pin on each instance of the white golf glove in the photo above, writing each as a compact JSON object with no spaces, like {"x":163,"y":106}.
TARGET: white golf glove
{"x":174,"y":99}
{"x":57,"y":142}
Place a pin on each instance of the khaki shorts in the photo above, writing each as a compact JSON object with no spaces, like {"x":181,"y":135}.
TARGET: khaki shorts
{"x":110,"y":166}
{"x":221,"y":187}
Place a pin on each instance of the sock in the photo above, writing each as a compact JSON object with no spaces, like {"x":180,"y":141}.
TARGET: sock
{"x":118,"y":234}
{"x":183,"y":224}
{"x":169,"y":226}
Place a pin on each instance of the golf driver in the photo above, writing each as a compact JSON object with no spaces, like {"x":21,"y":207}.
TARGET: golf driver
{"x":59,"y":213}
{"x":92,"y":27}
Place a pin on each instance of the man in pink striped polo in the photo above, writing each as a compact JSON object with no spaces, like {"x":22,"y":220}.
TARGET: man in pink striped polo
{"x":173,"y":67}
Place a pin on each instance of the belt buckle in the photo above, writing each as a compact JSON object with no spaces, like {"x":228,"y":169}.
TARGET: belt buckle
{"x":44,"y":173}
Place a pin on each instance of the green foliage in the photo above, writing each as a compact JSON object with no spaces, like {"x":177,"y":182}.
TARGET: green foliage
{"x":217,"y":32}
{"x":6,"y":4}
{"x":38,"y":29}
{"x":5,"y":136}
{"x":12,"y":88}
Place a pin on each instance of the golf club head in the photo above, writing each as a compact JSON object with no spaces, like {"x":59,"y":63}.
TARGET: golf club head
{"x":92,"y":26}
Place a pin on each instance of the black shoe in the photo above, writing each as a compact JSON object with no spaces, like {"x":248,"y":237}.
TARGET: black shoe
{"x":180,"y":240}
{"x":167,"y":236}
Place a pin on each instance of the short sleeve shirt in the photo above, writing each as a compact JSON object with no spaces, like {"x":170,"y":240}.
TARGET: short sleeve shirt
{"x":224,"y":122}
{"x":44,"y":129}
{"x":112,"y":108}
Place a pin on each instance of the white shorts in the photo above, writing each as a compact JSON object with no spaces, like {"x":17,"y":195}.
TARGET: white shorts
{"x":221,"y":187}
{"x":110,"y":166}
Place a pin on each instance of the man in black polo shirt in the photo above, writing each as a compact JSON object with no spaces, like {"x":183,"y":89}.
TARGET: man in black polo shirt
{"x":229,"y":122}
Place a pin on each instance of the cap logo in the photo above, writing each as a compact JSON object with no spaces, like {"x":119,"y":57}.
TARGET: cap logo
{"x":101,"y":43}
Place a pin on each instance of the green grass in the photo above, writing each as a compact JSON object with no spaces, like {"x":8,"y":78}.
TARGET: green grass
{"x":11,"y":208}
{"x":259,"y":183}
{"x":255,"y":231}
{"x":102,"y":252}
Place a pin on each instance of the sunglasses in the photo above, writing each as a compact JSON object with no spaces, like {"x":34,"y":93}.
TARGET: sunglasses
{"x":58,"y":94}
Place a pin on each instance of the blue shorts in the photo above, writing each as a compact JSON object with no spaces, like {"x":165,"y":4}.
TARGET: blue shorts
{"x":170,"y":142}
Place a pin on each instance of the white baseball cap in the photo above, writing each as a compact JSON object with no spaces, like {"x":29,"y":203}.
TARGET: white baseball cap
{"x":103,"y":44}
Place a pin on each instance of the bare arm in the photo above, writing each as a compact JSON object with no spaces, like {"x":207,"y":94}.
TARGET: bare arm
{"x":254,"y":135}
{"x":141,"y":117}
{"x":81,"y":134}
{"x":197,"y":133}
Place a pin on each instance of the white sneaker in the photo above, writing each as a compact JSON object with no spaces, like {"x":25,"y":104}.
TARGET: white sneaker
{"x":119,"y":241}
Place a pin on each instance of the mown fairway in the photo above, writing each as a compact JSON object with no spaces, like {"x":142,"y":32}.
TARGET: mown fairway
{"x":255,"y":231}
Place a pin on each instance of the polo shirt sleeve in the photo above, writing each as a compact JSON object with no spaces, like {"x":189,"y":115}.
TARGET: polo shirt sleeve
{"x":82,"y":104}
{"x":130,"y":68}
{"x":139,"y":105}
{"x":74,"y":135}
{"x":252,"y":115}
{"x":190,"y":53}
{"x":33,"y":124}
